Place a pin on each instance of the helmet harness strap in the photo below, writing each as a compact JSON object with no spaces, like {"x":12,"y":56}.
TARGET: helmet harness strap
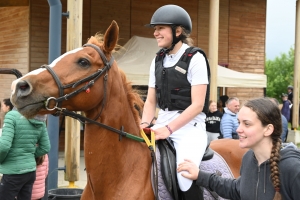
{"x":175,"y":39}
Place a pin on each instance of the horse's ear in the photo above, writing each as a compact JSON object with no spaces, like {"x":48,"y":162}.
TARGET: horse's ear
{"x":111,"y":36}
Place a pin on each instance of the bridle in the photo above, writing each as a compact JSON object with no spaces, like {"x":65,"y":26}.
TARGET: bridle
{"x":91,"y":80}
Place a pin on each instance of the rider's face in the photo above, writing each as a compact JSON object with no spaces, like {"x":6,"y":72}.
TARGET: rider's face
{"x":163,"y":35}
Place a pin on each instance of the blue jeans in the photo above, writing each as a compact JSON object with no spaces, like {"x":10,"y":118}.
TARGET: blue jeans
{"x":17,"y":185}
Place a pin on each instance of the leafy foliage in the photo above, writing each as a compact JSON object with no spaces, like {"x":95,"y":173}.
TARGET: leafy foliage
{"x":280,"y":74}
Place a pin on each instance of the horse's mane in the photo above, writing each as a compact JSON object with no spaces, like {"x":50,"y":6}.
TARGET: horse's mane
{"x":133,"y":96}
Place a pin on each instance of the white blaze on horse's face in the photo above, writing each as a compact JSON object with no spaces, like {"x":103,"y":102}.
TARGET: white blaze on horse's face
{"x":37,"y":71}
{"x":54,"y":62}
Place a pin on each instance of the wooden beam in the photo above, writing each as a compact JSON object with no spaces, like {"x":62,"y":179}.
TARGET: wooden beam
{"x":7,"y":3}
{"x":295,"y":122}
{"x":213,"y":47}
{"x":72,"y":134}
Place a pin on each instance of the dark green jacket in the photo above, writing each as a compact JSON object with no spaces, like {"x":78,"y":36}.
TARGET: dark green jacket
{"x":18,"y":147}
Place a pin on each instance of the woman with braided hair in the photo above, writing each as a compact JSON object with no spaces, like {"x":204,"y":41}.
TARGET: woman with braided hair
{"x":269,"y":170}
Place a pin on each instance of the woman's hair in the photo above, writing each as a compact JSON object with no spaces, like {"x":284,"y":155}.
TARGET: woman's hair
{"x":8,"y":103}
{"x":185,"y":37}
{"x":39,"y":160}
{"x":220,"y":106}
{"x":210,"y":102}
{"x":268,"y":113}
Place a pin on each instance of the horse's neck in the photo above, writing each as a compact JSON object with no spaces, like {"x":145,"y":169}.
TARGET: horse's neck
{"x":118,"y":114}
{"x":115,"y":111}
{"x":123,"y":164}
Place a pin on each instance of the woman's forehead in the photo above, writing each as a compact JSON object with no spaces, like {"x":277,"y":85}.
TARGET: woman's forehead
{"x":246,"y":113}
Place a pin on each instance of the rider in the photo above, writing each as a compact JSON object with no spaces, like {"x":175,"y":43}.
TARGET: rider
{"x":179,"y":119}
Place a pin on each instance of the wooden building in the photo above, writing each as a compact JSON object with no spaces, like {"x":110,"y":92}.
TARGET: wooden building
{"x":24,"y":32}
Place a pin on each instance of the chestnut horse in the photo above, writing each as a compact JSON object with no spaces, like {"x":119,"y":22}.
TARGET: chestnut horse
{"x":88,"y":79}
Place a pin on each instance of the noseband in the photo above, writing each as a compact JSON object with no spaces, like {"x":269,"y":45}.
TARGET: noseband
{"x":92,"y":78}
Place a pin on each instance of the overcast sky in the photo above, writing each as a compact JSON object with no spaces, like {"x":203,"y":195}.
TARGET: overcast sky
{"x":280,"y":33}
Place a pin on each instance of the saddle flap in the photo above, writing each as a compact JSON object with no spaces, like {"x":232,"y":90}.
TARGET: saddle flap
{"x":209,"y":153}
{"x":168,"y":167}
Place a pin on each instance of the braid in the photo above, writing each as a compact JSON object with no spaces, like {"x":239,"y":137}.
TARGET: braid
{"x":274,"y":160}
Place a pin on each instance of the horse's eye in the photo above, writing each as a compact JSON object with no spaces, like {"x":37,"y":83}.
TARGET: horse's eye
{"x":84,"y":62}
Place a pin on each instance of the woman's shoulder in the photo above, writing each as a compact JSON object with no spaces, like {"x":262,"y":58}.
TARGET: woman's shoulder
{"x":219,"y":113}
{"x":12,"y":115}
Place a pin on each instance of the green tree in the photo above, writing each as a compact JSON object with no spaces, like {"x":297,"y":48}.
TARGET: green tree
{"x":280,"y":74}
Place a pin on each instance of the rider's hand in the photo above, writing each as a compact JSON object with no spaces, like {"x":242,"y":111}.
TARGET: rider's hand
{"x":161,"y":133}
{"x":142,"y":126}
{"x":190,"y":168}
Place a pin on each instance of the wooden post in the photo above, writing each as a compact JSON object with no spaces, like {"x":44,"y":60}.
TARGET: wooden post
{"x":213,"y":47}
{"x":295,"y":122}
{"x":72,"y":126}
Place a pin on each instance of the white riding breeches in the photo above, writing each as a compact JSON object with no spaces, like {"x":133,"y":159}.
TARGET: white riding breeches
{"x":190,"y":142}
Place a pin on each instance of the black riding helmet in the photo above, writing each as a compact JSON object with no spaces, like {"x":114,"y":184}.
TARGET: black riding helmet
{"x":174,"y":16}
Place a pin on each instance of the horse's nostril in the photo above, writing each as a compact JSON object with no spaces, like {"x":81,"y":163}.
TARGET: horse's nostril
{"x":23,"y":88}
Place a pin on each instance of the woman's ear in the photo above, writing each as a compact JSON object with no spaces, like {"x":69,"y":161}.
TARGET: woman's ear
{"x":178,"y":31}
{"x":269,"y":130}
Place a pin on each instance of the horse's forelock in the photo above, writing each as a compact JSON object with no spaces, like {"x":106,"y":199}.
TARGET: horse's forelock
{"x":98,"y":40}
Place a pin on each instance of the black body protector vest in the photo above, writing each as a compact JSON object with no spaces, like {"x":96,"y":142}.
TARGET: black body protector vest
{"x":173,"y":90}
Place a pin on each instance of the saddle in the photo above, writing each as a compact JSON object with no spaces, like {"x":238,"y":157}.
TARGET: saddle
{"x":168,"y":165}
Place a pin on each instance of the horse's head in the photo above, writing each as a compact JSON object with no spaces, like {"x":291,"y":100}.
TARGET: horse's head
{"x":69,"y":81}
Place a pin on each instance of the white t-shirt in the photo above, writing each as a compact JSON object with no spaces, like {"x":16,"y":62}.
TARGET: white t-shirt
{"x":196,"y":75}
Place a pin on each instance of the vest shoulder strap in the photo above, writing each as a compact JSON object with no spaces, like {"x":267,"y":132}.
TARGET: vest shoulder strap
{"x":190,"y":52}
{"x":160,"y":55}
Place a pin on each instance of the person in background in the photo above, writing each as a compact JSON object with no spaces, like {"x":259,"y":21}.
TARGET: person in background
{"x":178,"y":90}
{"x":220,"y":106}
{"x":223,"y":99}
{"x":18,"y":151}
{"x":284,"y":121}
{"x":6,"y":105}
{"x":212,"y":121}
{"x":229,"y":121}
{"x":42,"y":167}
{"x":285,"y":110}
{"x":269,"y":170}
{"x":290,"y":89}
